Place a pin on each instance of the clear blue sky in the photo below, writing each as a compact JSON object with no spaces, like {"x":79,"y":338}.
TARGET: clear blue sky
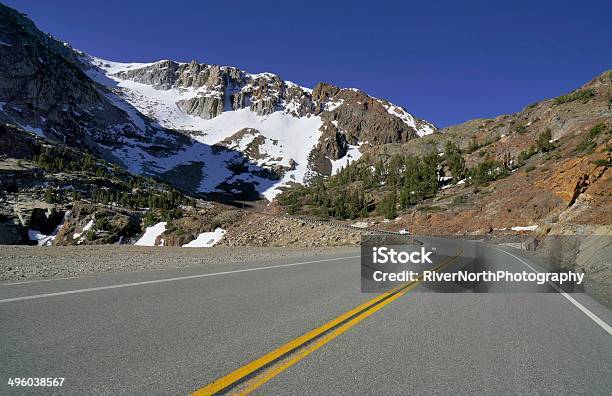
{"x":445,"y":61}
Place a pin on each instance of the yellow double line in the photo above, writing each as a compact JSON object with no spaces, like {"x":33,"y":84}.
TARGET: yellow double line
{"x":315,"y":339}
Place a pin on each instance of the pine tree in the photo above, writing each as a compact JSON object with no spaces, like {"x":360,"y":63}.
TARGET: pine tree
{"x":454,"y":161}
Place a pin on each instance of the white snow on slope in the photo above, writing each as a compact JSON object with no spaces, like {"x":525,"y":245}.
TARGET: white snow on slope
{"x":407,"y":118}
{"x":45,"y":240}
{"x":85,"y":229}
{"x":115,"y":67}
{"x":525,"y":228}
{"x":352,"y":154}
{"x":295,"y":137}
{"x":287,"y":137}
{"x":151,"y":233}
{"x":207,"y":239}
{"x":41,"y":239}
{"x":37,"y":131}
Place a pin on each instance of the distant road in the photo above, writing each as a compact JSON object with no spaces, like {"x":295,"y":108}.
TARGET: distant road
{"x":301,"y":327}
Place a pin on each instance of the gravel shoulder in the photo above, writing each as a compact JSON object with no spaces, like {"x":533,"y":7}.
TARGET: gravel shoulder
{"x":19,"y":263}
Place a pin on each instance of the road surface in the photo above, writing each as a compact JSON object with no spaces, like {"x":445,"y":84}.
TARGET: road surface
{"x":177,"y":331}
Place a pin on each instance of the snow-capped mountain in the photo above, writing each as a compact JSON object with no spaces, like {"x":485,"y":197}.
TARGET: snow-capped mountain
{"x":205,"y":128}
{"x":275,"y":124}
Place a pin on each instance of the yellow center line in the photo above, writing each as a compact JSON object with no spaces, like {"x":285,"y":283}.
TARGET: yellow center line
{"x":360,"y":313}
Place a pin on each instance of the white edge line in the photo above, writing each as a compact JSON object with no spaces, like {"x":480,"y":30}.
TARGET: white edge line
{"x":91,"y":289}
{"x":581,"y":307}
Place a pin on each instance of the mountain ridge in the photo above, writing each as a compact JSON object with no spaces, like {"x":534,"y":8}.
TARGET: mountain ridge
{"x":156,"y":118}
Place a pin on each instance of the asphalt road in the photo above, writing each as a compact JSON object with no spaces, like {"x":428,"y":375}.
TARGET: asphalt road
{"x":175,"y":331}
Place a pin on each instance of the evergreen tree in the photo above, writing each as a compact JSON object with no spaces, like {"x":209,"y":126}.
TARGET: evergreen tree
{"x":454,"y":161}
{"x":543,"y":142}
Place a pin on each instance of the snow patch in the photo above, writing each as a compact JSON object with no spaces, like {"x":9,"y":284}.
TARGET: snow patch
{"x":406,"y":118}
{"x":525,"y":228}
{"x":37,"y":131}
{"x":151,"y":234}
{"x":333,"y":105}
{"x":41,"y":239}
{"x":207,"y":239}
{"x":352,"y":154}
{"x":85,"y":229}
{"x":46,"y":240}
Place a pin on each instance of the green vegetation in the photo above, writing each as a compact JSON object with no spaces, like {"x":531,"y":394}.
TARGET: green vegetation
{"x":431,"y":209}
{"x":351,"y":193}
{"x":607,"y":162}
{"x":150,"y":219}
{"x":526,"y":154}
{"x":107,"y":183}
{"x":167,"y":215}
{"x":388,"y":206}
{"x":582,"y":94}
{"x":50,"y":196}
{"x":488,"y":171}
{"x":454,"y":161}
{"x":544,"y":143}
{"x":473,"y":146}
{"x":588,"y":144}
{"x":389,"y":186}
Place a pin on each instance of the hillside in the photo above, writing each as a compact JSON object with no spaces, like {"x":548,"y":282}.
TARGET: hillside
{"x":545,"y":165}
{"x":51,"y":194}
{"x":51,"y":191}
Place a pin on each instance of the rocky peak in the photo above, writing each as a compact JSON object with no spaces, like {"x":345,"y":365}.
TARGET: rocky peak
{"x":166,"y":118}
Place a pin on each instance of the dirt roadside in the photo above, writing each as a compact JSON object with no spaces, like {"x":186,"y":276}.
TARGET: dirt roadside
{"x":19,"y":263}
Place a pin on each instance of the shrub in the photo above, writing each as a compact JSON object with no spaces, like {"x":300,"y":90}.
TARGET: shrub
{"x":102,"y":224}
{"x":473,"y":146}
{"x":91,"y":235}
{"x":454,"y":161}
{"x":526,"y":154}
{"x":588,"y":144}
{"x":432,"y":208}
{"x":487,"y":171}
{"x":544,"y":141}
{"x":150,"y":219}
{"x":171,"y":214}
{"x":170,"y":228}
{"x":603,"y":162}
{"x":50,"y":196}
{"x":582,"y":94}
